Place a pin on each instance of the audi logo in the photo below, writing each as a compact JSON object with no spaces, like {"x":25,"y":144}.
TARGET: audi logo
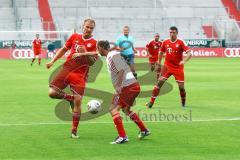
{"x":22,"y":54}
{"x":232,"y":52}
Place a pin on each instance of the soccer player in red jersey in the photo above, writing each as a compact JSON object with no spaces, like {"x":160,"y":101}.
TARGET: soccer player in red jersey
{"x":174,"y":64}
{"x":37,"y":47}
{"x":75,"y":70}
{"x":153,"y":49}
{"x":127,"y":89}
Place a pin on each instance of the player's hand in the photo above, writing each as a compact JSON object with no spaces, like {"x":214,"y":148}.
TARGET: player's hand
{"x":91,"y":60}
{"x":135,"y":51}
{"x":49,"y":65}
{"x":81,"y":49}
{"x":182,"y":62}
{"x":75,"y":55}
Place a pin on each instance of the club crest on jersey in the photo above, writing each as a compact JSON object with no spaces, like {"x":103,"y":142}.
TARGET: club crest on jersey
{"x":89,"y":45}
{"x":177,"y":45}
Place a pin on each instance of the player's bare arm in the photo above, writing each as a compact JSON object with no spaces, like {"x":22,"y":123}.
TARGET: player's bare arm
{"x":75,"y":55}
{"x":134,"y":49}
{"x":149,"y":55}
{"x":160,"y":56}
{"x":59,"y":54}
{"x":187,"y":58}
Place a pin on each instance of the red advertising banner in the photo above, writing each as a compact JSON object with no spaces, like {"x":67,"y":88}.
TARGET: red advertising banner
{"x":142,"y":53}
{"x":196,"y":52}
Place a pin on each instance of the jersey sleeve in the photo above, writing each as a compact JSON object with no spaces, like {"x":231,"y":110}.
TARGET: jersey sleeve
{"x":148,"y":45}
{"x":69,"y":42}
{"x":185,"y":47}
{"x":163,"y":49}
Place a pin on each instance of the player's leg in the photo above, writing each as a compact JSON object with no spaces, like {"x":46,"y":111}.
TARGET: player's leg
{"x":77,"y":83}
{"x":126,"y":100}
{"x":33,"y":59}
{"x":152,"y":67}
{"x":117,"y":119}
{"x":76,"y":114}
{"x":165,"y":74}
{"x":157,"y":69}
{"x":151,"y":64}
{"x":39,"y":60}
{"x":182,"y":93}
{"x":179,"y":77}
{"x":57,"y":85}
{"x":135,"y":118}
{"x":132,"y":65}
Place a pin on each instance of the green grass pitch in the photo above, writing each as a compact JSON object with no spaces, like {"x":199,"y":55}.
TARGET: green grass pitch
{"x":29,"y":128}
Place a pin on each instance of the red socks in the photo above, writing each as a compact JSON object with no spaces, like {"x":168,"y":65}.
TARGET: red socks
{"x":119,"y":125}
{"x":134,"y":117}
{"x":155,"y":93}
{"x":75,"y":121}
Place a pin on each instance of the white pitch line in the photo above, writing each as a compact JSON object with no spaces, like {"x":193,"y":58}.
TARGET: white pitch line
{"x":65,"y":123}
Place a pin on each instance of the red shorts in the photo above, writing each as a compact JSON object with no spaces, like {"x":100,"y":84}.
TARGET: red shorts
{"x":36,"y":52}
{"x":153,"y":60}
{"x":72,"y":74}
{"x":127,"y":96}
{"x":178,"y":73}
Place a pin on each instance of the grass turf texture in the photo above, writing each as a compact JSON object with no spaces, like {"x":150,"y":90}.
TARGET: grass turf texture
{"x":212,"y":93}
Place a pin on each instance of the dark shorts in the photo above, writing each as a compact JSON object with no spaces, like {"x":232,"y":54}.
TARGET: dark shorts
{"x":128,"y":58}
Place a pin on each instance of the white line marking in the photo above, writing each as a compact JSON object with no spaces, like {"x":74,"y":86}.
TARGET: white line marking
{"x":86,"y":122}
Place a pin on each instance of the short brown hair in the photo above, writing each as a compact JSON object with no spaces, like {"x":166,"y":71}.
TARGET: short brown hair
{"x":89,"y":19}
{"x":103,"y":44}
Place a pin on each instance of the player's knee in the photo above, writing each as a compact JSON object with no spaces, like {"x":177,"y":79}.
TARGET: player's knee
{"x":126,"y":110}
{"x":114,"y":110}
{"x":52,"y":93}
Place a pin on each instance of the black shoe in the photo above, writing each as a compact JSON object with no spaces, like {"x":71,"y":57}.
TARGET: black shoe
{"x":149,"y":105}
{"x":143,"y":134}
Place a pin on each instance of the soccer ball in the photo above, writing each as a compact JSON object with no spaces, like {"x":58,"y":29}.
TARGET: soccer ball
{"x":94,"y":106}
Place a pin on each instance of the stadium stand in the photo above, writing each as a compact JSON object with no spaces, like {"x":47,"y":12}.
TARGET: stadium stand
{"x":7,"y":17}
{"x":195,"y":19}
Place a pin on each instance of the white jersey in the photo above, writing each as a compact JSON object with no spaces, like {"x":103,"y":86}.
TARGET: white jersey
{"x":116,"y":63}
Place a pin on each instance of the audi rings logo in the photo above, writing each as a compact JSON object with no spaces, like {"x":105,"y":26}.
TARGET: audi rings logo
{"x":232,"y":52}
{"x":22,"y":54}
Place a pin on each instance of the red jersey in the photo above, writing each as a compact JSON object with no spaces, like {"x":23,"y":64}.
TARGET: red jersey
{"x":37,"y":44}
{"x":154,"y":48}
{"x":77,"y":40}
{"x":174,"y":52}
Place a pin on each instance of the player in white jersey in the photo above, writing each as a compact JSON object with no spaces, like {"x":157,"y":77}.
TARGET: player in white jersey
{"x":127,"y":89}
